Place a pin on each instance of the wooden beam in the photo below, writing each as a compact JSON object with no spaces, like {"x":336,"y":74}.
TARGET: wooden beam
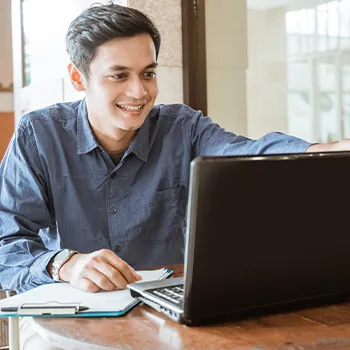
{"x":194,"y":54}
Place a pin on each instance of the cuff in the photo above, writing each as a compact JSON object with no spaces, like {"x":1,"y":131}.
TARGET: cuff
{"x":299,"y":147}
{"x":38,"y":270}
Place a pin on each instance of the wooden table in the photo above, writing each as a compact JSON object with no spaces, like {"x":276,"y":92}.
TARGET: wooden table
{"x":325,"y":327}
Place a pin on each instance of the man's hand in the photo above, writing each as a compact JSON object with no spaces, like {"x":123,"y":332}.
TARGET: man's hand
{"x":100,"y":270}
{"x":342,"y":145}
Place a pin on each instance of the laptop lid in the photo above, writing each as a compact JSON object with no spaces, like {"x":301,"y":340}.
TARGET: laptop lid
{"x":265,"y":230}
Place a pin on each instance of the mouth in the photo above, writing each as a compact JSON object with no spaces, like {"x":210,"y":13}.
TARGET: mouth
{"x":131,"y":108}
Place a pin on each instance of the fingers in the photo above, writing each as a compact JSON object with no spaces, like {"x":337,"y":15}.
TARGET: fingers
{"x":102,"y":270}
{"x":138,"y":277}
{"x":126,"y":270}
{"x":87,"y":286}
{"x":107,"y":277}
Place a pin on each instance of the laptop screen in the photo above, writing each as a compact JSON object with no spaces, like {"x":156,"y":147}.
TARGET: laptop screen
{"x":265,"y":230}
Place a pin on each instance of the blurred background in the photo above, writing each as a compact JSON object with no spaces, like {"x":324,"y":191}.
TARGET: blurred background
{"x":271,"y":65}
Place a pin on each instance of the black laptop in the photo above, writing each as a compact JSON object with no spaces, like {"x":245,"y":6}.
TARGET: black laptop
{"x":263,"y":232}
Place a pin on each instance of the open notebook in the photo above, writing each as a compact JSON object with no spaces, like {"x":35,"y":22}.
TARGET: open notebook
{"x":63,"y":300}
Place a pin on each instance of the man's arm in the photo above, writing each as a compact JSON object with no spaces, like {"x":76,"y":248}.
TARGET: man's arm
{"x":207,"y":138}
{"x":342,"y":145}
{"x":24,"y":210}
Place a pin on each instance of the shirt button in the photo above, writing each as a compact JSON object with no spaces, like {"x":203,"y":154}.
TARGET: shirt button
{"x":113,"y":210}
{"x":118,"y":248}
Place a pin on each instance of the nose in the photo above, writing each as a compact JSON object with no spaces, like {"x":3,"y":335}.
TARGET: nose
{"x":136,"y":89}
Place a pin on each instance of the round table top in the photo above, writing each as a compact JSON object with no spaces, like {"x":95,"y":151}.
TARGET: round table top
{"x":326,"y":327}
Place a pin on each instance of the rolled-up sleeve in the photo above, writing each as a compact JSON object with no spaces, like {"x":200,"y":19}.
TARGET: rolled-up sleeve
{"x":207,"y":138}
{"x":24,"y":211}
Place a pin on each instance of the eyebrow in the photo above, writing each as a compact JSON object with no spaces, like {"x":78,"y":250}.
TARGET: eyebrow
{"x":118,"y":67}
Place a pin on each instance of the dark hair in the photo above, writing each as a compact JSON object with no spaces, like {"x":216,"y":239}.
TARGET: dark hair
{"x":101,"y":23}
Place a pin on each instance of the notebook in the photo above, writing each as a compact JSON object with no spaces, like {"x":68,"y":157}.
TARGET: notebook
{"x":264,"y":234}
{"x":63,"y":300}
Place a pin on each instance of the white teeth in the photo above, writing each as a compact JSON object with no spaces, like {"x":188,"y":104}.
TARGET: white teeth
{"x":131,"y":108}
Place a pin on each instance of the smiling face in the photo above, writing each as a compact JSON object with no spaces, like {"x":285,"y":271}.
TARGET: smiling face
{"x":122,"y":86}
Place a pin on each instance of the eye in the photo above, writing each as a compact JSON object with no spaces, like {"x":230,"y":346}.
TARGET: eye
{"x":149,"y":74}
{"x":118,"y":76}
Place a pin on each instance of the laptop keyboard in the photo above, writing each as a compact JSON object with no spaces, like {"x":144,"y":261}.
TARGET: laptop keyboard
{"x":174,"y":294}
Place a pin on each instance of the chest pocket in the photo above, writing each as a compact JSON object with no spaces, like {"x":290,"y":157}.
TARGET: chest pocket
{"x":162,"y":219}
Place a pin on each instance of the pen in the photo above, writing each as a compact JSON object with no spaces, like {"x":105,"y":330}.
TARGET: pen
{"x":15,"y":309}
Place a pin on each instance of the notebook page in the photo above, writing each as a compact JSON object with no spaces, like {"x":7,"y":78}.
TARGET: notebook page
{"x":66,"y":293}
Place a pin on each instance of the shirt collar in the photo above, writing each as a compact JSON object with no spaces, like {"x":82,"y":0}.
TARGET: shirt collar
{"x":85,"y":138}
{"x":140,"y":144}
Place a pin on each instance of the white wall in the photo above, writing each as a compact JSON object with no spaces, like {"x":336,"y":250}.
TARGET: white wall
{"x":226,"y":45}
{"x":267,"y":72}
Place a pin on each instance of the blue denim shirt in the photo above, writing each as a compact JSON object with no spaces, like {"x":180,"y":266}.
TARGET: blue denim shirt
{"x":60,"y":189}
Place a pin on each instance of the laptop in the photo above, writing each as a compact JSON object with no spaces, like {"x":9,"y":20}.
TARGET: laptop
{"x":263,"y":233}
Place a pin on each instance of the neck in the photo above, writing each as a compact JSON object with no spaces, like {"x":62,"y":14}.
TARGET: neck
{"x":117,"y":140}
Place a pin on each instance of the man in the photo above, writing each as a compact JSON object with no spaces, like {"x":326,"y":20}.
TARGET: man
{"x":91,"y":190}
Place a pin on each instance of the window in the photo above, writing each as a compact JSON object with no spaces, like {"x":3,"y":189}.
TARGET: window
{"x":319,"y":75}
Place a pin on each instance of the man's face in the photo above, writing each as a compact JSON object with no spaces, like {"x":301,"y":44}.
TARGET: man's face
{"x":122,"y":85}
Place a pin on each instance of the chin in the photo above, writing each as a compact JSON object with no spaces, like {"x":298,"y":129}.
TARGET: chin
{"x":133,"y":128}
{"x":129,"y":126}
{"x":132,"y":123}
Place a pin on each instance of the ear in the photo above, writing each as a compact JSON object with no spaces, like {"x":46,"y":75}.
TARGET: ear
{"x":75,"y":77}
